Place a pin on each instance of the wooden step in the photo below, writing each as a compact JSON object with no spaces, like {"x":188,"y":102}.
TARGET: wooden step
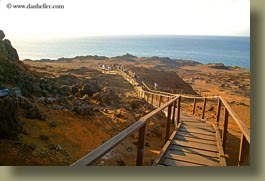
{"x":170,"y":162}
{"x":197,"y":135}
{"x":204,"y":130}
{"x":197,"y":124}
{"x":197,"y":140}
{"x":195,"y":145}
{"x":191,"y":158}
{"x":193,"y":150}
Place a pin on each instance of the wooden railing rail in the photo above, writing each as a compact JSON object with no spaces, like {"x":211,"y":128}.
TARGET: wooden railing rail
{"x":158,"y":92}
{"x":173,"y":102}
{"x":140,"y":125}
{"x":244,"y":148}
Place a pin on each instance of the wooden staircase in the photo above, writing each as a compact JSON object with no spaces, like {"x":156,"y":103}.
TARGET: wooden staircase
{"x":193,"y":143}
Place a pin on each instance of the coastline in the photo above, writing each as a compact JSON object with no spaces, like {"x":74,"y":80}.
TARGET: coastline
{"x":62,"y":109}
{"x":129,"y":57}
{"x":232,"y":51}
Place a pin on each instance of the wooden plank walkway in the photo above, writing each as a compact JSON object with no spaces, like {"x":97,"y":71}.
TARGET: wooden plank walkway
{"x":193,"y":143}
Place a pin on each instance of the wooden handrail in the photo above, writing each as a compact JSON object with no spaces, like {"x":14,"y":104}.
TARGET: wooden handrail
{"x":158,"y":92}
{"x":140,"y":125}
{"x":100,"y":151}
{"x":245,"y":138}
{"x":167,"y":96}
{"x":242,"y":126}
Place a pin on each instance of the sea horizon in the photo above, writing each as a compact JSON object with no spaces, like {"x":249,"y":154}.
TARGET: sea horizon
{"x":229,"y":50}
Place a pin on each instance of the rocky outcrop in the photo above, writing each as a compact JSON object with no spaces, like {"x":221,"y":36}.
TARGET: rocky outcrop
{"x":31,"y":110}
{"x":2,"y":35}
{"x":107,"y":97}
{"x":167,"y":81}
{"x":6,"y":49}
{"x":217,"y":66}
{"x":127,"y":57}
{"x":13,"y":71}
{"x":64,"y":90}
{"x":89,"y":88}
{"x":10,"y":126}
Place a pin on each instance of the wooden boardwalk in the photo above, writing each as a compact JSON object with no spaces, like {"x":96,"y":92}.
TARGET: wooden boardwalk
{"x":193,"y":143}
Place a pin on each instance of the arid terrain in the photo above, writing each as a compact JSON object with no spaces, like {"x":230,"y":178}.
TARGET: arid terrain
{"x":61,"y":110}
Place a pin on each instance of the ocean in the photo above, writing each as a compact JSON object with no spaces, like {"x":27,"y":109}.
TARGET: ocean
{"x":232,"y":51}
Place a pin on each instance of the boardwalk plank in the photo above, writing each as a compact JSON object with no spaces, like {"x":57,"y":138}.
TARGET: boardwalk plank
{"x":204,"y":131}
{"x":192,"y":158}
{"x":170,"y":162}
{"x":194,"y":151}
{"x":195,"y":145}
{"x":196,"y":124}
{"x":197,"y":140}
{"x":197,"y":135}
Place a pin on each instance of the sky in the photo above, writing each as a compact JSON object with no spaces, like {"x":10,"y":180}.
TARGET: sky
{"x":125,"y":17}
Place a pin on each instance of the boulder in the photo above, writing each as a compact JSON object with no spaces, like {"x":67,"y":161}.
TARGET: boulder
{"x":44,"y":137}
{"x":49,"y":100}
{"x":89,"y":88}
{"x":4,"y":92}
{"x":107,"y":97}
{"x":64,"y":90}
{"x":2,"y":35}
{"x":53,"y":124}
{"x":74,"y":89}
{"x":10,"y":51}
{"x":62,"y":100}
{"x":83,"y":109}
{"x":66,"y":80}
{"x":10,"y":126}
{"x":31,"y":111}
{"x":217,"y":66}
{"x":45,"y":85}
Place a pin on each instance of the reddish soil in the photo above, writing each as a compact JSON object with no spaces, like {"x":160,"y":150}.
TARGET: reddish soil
{"x":79,"y":134}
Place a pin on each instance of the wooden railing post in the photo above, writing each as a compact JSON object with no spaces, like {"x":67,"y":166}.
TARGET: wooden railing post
{"x":174,"y":112}
{"x":218,"y":110}
{"x":140,"y":149}
{"x":244,"y":151}
{"x":144,"y":96}
{"x":152,"y":99}
{"x":147,"y":97}
{"x":169,"y":108}
{"x":160,"y":99}
{"x":178,"y":112}
{"x":194,"y":106}
{"x":224,"y":136}
{"x":203,"y":109}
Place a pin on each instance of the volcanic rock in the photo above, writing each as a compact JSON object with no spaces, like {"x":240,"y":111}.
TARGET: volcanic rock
{"x":10,"y":126}
{"x":74,"y":89}
{"x":107,"y":97}
{"x":89,"y":88}
{"x":2,"y":35}
{"x":64,"y":90}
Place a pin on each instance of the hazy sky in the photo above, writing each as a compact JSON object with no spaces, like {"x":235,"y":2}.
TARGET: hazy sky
{"x":126,"y":17}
